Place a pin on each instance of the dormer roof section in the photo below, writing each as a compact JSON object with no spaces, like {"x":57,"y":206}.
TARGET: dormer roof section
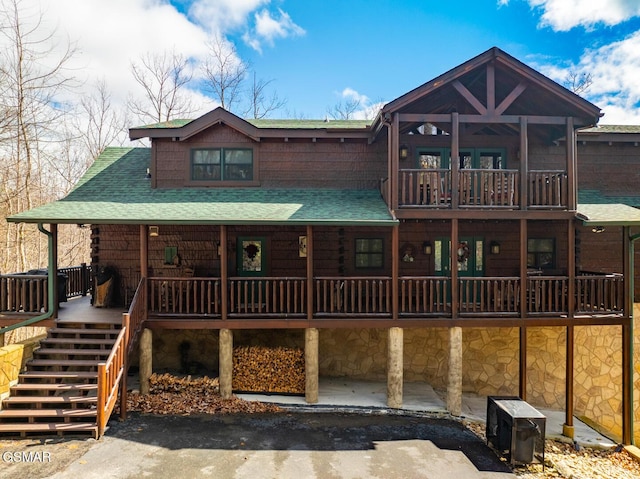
{"x":181,"y":130}
{"x":496,"y":87}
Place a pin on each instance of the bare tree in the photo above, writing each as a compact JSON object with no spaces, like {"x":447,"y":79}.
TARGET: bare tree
{"x":344,"y":109}
{"x":578,"y":82}
{"x":33,"y":76}
{"x":163,"y":77}
{"x":261,"y":103}
{"x":224,"y":72}
{"x":98,"y":123}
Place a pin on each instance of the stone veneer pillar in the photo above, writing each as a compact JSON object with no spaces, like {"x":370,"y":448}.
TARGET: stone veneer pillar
{"x":226,"y":362}
{"x":311,"y":367}
{"x":146,"y":358}
{"x":394,"y":367}
{"x":454,"y":379}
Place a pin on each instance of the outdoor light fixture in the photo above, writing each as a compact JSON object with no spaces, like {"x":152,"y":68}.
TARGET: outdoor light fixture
{"x":495,"y":247}
{"x":426,"y":247}
{"x":154,"y":231}
{"x":404,"y":152}
{"x":147,"y":176}
{"x":598,"y":229}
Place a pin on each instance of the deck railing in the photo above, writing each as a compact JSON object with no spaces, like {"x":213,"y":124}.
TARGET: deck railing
{"x":268,"y":296}
{"x":548,"y":189}
{"x":482,"y":188}
{"x":23,"y":293}
{"x":371,"y":296}
{"x":197,"y":296}
{"x":597,"y":293}
{"x":78,"y":280}
{"x":109,"y":377}
{"x":489,"y":295}
{"x":424,"y":295}
{"x":353,"y":296}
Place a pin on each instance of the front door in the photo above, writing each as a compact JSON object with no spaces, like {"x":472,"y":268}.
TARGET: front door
{"x":251,"y":256}
{"x":468,"y":258}
{"x":251,"y":263}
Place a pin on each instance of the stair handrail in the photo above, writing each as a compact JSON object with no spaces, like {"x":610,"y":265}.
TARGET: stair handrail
{"x":132,"y":320}
{"x":109,"y":376}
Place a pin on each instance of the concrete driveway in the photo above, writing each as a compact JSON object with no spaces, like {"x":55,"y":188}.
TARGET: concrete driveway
{"x":294,"y":445}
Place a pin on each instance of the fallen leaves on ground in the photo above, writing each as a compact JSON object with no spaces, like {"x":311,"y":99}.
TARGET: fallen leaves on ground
{"x":183,"y":396}
{"x":564,"y":461}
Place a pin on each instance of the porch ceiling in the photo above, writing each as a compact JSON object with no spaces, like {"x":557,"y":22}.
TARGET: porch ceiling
{"x":614,"y":214}
{"x":114,"y":191}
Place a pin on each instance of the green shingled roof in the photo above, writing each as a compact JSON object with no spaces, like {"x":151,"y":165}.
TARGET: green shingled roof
{"x":277,"y":124}
{"x":114,"y":191}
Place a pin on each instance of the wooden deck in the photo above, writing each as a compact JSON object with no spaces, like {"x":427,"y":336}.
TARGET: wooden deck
{"x":80,"y":310}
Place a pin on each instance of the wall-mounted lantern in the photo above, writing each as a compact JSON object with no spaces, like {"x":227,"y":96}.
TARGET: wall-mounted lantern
{"x":404,"y":152}
{"x":154,"y":231}
{"x":426,"y":248}
{"x":494,"y":247}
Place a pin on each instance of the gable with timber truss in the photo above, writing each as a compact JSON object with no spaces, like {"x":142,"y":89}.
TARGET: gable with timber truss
{"x":491,"y":94}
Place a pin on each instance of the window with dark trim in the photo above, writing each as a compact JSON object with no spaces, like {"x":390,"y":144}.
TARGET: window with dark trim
{"x":541,"y":253}
{"x":222,"y":164}
{"x":369,"y":253}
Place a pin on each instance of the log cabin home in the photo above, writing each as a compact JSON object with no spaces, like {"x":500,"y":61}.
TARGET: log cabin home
{"x":402,"y":248}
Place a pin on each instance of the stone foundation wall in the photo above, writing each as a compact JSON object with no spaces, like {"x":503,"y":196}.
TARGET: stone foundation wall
{"x":490,"y":361}
{"x":12,"y":360}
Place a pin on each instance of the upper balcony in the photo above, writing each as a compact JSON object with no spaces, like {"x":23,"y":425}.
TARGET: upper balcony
{"x":482,"y":188}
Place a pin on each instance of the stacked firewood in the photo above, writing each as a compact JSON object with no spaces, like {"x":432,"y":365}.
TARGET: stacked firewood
{"x":268,"y":370}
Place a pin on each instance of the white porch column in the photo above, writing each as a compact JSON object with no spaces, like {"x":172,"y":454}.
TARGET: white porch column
{"x":226,"y":362}
{"x":454,"y":380}
{"x":311,"y":367}
{"x":146,"y":355}
{"x":394,"y":367}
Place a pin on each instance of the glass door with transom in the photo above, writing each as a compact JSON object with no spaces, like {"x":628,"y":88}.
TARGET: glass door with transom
{"x":468,"y":258}
{"x":251,"y":255}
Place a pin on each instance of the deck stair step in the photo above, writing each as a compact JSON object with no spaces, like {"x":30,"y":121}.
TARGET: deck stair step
{"x":56,"y":387}
{"x":51,"y":427}
{"x":73,"y":351}
{"x":57,"y":340}
{"x":57,"y":394}
{"x":33,"y":414}
{"x":58,"y":375}
{"x":64,"y":362}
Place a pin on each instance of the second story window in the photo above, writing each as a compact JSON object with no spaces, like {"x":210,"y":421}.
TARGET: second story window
{"x":222,"y":164}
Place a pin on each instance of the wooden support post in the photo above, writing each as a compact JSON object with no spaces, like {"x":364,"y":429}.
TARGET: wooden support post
{"x":310,"y":286}
{"x":226,"y":363}
{"x":454,"y":379}
{"x":572,"y":165}
{"x":524,"y":164}
{"x":311,"y":365}
{"x":224,"y":275}
{"x":568,"y":428}
{"x":144,"y":251}
{"x":522,"y":380}
{"x":453,"y":273}
{"x":395,"y":269}
{"x":394,"y":367}
{"x":146,"y":364}
{"x":455,"y":160}
{"x":54,"y":263}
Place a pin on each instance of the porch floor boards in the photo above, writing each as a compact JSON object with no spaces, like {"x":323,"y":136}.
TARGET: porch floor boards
{"x":79,"y":310}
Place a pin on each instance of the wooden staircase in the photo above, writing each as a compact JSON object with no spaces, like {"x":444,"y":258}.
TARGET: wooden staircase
{"x":57,"y":393}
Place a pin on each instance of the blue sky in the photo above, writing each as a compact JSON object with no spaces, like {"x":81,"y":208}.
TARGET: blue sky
{"x":320,"y":52}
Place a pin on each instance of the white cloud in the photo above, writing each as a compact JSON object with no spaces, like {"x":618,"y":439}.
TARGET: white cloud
{"x":563,"y":15}
{"x":615,"y":75}
{"x":223,"y":15}
{"x":268,"y":28}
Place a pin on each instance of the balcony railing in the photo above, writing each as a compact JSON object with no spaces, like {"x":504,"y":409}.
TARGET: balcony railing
{"x":28,"y":292}
{"x":482,"y":188}
{"x":371,"y":297}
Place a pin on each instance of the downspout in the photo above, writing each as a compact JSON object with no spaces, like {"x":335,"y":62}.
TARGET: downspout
{"x":632,"y":239}
{"x":50,"y":292}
